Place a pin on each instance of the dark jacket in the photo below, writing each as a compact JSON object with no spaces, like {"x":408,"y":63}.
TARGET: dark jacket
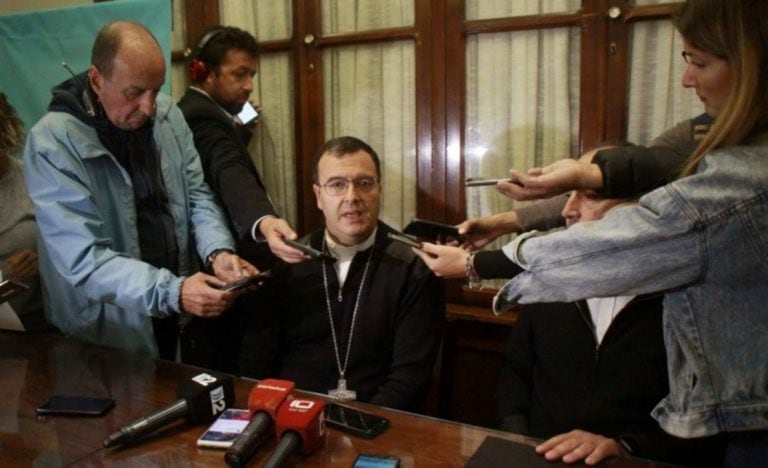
{"x":556,"y":378}
{"x":396,"y":335}
{"x":223,"y":148}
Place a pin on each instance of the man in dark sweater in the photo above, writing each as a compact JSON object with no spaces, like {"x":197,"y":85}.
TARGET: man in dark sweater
{"x":364,"y":324}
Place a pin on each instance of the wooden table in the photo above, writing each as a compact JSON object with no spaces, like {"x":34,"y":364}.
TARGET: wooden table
{"x":36,"y":366}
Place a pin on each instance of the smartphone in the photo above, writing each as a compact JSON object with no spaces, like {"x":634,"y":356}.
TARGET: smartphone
{"x":249,"y":114}
{"x":10,"y":289}
{"x":354,"y":421}
{"x":223,"y":432}
{"x":367,"y":460}
{"x":76,"y":405}
{"x":245,"y":281}
{"x":481,"y":181}
{"x":431,"y":230}
{"x":312,"y":252}
{"x":404,"y":239}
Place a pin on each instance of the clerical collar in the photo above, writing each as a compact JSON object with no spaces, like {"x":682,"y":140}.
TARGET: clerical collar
{"x":345,"y":253}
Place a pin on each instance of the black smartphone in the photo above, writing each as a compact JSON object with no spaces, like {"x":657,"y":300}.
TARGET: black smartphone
{"x":76,"y":405}
{"x":245,"y":281}
{"x":404,"y":239}
{"x":368,"y":460}
{"x":10,"y":289}
{"x":431,"y":230}
{"x":354,"y":421}
{"x":312,"y":252}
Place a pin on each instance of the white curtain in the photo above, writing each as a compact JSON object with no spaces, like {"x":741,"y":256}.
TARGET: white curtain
{"x":522,"y":98}
{"x":272,"y":147}
{"x":657,"y":99}
{"x":369,"y":93}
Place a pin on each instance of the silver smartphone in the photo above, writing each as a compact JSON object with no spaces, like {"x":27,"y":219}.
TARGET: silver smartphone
{"x":249,"y":114}
{"x":404,"y":239}
{"x":482,"y":181}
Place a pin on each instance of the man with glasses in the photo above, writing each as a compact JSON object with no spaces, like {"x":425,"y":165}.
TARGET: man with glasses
{"x":121,"y":205}
{"x":363,"y":323}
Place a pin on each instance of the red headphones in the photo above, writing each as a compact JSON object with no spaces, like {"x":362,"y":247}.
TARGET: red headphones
{"x":198,"y":70}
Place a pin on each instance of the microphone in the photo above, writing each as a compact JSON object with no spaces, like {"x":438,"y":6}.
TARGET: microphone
{"x":88,"y":104}
{"x":263,"y":403}
{"x":300,"y":427}
{"x":201,"y":399}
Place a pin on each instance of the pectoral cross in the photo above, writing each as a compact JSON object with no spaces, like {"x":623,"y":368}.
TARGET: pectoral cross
{"x":342,"y":392}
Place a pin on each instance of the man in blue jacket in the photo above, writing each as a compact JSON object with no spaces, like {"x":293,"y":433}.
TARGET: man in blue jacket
{"x":121,"y":205}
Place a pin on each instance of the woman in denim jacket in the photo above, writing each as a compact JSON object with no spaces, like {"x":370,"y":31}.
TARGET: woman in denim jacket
{"x":703,"y":239}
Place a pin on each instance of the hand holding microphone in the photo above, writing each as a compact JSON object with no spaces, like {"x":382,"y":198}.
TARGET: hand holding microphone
{"x":265,"y":399}
{"x":201,"y":399}
{"x":300,"y":427}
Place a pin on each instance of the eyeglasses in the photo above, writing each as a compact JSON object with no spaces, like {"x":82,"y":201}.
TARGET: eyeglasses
{"x":338,"y":187}
{"x":686,"y":57}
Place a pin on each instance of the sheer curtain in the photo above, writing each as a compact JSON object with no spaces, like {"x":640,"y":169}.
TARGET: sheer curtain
{"x":522,"y":98}
{"x":370,"y":94}
{"x":657,"y":99}
{"x":272,"y":147}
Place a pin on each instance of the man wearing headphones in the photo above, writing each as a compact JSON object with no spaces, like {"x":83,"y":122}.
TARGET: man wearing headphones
{"x":221,"y":70}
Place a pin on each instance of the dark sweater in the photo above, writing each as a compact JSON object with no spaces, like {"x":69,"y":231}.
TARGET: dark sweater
{"x":556,"y":378}
{"x":396,"y":335}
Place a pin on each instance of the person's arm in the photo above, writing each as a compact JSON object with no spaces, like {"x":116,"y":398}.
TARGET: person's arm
{"x":232,"y":175}
{"x":542,"y":216}
{"x":75,"y":235}
{"x":513,"y":391}
{"x":417,"y":334}
{"x":658,"y":241}
{"x":631,"y":171}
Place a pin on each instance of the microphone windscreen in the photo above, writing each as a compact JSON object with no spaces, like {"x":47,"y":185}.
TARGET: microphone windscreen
{"x":305,"y":418}
{"x":207,"y":395}
{"x":268,"y":395}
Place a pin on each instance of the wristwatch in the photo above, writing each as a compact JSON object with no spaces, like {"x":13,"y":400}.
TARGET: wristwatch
{"x":212,"y":256}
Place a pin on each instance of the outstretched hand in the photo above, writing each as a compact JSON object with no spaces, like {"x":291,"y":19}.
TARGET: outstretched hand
{"x":559,"y":177}
{"x":479,"y":232}
{"x":444,"y":260}
{"x":276,"y":231}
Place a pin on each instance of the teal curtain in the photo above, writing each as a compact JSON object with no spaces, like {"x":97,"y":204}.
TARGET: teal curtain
{"x":33,"y":45}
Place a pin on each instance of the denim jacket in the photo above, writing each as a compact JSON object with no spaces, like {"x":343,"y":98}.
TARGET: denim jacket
{"x":704,"y":240}
{"x":96,"y":288}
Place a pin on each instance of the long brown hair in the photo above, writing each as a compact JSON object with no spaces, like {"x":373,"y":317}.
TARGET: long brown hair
{"x":737,"y":31}
{"x":11,"y":127}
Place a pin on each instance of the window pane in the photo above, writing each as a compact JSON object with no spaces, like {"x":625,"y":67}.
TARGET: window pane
{"x":268,"y":20}
{"x":486,"y":9}
{"x":522,"y":107}
{"x":657,"y":99}
{"x":370,"y":94}
{"x":272,"y":148}
{"x":344,"y":16}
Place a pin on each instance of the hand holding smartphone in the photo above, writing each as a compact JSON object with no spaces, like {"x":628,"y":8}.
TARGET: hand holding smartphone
{"x":312,"y":252}
{"x":483,"y":181}
{"x":245,"y":282}
{"x":10,"y":289}
{"x":431,"y":230}
{"x":248,"y":114}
